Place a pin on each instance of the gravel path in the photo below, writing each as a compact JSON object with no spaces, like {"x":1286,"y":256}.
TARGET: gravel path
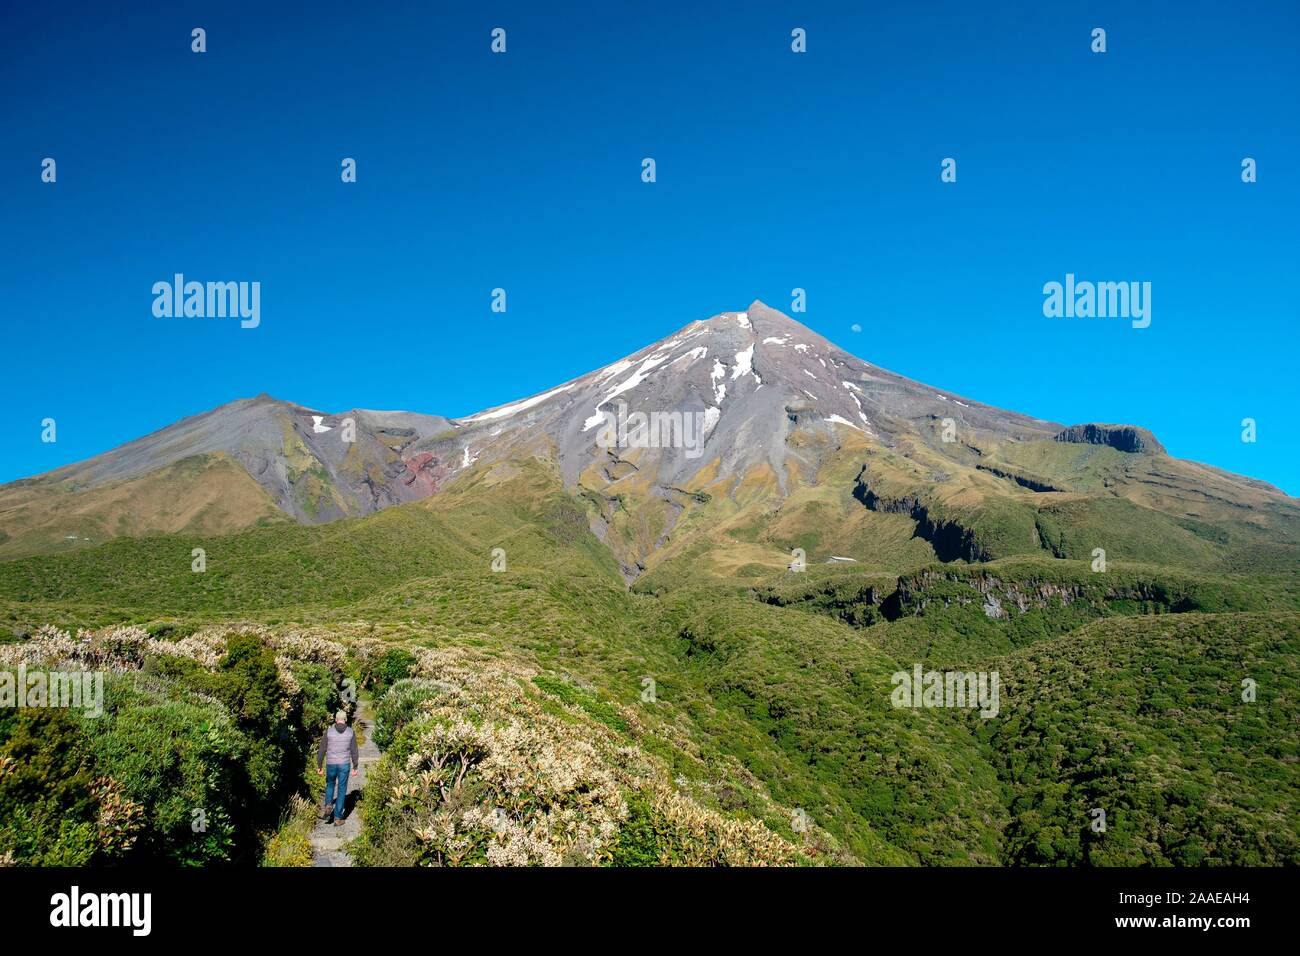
{"x":327,"y":840}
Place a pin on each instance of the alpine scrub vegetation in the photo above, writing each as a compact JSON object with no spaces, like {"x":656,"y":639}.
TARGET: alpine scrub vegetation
{"x":514,"y":730}
{"x":482,"y":766}
{"x":186,"y":764}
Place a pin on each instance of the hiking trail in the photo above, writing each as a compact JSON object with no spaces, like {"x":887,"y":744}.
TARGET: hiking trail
{"x":327,"y":840}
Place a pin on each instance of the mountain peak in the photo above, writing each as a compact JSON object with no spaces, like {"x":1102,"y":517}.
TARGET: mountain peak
{"x":756,"y":392}
{"x":758,"y":321}
{"x":750,"y":406}
{"x":762,"y":312}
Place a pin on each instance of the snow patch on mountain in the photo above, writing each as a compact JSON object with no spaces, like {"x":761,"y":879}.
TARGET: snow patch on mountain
{"x":629,"y":383}
{"x":744,"y":364}
{"x":699,"y":352}
{"x":716,"y":377}
{"x":618,"y":368}
{"x":506,"y":411}
{"x":636,"y":378}
{"x":711,"y":416}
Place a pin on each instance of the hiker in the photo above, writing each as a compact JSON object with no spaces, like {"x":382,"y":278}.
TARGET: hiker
{"x":337,"y":752}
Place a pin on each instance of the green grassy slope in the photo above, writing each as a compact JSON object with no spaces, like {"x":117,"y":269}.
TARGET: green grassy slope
{"x":771,"y":689}
{"x":203,"y":494}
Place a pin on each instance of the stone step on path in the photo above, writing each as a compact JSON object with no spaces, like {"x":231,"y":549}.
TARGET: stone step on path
{"x":327,"y":840}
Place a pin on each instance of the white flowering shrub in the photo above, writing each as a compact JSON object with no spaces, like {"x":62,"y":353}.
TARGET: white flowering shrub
{"x":486,"y":762}
{"x":481,"y":769}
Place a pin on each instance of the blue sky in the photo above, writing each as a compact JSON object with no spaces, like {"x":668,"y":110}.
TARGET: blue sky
{"x":522,"y":171}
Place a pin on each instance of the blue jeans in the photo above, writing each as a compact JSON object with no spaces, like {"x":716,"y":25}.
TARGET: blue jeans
{"x":336,"y":786}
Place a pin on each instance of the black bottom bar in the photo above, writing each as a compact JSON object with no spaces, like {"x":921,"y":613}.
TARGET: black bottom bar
{"x":255,"y":907}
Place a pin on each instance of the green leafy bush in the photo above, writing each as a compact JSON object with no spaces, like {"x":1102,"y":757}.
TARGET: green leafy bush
{"x":380,"y":672}
{"x":47,"y":810}
{"x":399,"y":706}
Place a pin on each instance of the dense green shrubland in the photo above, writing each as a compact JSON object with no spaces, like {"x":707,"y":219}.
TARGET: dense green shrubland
{"x":1145,"y":719}
{"x":771,"y":696}
{"x":193,"y":759}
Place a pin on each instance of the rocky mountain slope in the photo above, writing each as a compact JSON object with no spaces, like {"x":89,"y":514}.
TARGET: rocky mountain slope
{"x":253,"y":461}
{"x":735,"y":440}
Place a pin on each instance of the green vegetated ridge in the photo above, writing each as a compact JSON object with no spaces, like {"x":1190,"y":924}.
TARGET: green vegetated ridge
{"x":723,"y":710}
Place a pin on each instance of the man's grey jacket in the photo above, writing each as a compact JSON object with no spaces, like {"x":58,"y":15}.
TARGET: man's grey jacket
{"x":337,"y":746}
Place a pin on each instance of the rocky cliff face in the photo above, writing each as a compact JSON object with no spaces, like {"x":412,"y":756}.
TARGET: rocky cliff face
{"x":1125,"y":438}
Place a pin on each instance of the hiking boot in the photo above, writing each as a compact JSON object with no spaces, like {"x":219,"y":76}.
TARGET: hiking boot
{"x":338,"y":823}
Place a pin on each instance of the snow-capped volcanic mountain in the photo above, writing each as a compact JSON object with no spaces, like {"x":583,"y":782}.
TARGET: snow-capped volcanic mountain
{"x":743,"y":383}
{"x":750,"y":408}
